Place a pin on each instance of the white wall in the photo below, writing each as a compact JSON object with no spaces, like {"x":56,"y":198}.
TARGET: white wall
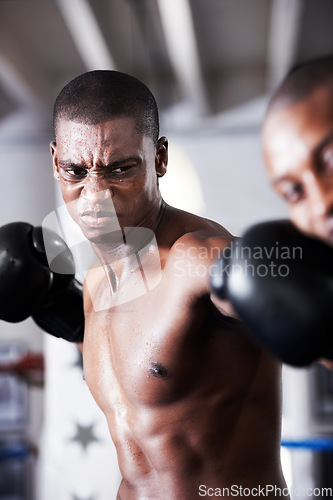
{"x":26,"y":194}
{"x":235,"y":188}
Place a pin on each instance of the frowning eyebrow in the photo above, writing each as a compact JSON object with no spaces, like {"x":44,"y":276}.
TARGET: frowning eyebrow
{"x":111,"y":165}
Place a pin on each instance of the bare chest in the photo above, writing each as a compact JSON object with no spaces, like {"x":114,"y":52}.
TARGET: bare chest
{"x":153,"y":351}
{"x":148,"y":349}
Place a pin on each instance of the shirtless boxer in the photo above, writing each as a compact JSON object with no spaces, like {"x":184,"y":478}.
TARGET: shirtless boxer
{"x":193,"y":406}
{"x":298,"y":147}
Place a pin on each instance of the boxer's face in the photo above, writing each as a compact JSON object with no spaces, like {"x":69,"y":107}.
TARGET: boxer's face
{"x":298,"y":150}
{"x":108,"y":174}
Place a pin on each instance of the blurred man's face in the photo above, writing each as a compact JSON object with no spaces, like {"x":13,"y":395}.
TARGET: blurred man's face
{"x":298,"y":150}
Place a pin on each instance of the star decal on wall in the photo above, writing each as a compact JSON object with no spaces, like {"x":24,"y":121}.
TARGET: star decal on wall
{"x":85,"y":435}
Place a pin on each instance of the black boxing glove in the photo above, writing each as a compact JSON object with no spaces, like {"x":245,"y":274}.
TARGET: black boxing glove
{"x":29,"y":287}
{"x":280,"y":283}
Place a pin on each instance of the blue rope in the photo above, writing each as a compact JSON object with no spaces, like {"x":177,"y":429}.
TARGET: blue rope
{"x":8,"y":452}
{"x":316,"y":444}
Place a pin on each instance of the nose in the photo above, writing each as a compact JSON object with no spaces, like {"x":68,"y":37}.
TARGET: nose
{"x":96,"y":189}
{"x":320,"y":193}
{"x":320,"y":199}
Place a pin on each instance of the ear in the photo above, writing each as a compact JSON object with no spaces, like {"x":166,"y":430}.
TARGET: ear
{"x":161,"y":157}
{"x":53,"y":151}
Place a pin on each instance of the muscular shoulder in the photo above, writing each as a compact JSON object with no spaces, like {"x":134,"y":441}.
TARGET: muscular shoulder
{"x":201,"y":239}
{"x":180,"y":226}
{"x":193,"y":255}
{"x":195,"y":243}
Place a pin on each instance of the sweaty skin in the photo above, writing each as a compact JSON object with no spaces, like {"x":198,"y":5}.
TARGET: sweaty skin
{"x":188,"y":398}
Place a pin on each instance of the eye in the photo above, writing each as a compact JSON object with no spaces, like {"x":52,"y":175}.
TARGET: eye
{"x":121,"y":170}
{"x":292,"y":192}
{"x":74,"y":173}
{"x":327,"y":161}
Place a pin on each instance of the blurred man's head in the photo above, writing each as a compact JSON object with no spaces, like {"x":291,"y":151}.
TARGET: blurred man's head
{"x":298,"y":145}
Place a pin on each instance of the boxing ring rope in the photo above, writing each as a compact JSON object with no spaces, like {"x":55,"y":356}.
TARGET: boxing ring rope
{"x":8,"y":452}
{"x":314,"y":444}
{"x":21,"y":451}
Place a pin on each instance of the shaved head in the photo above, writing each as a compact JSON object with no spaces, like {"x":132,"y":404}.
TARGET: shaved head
{"x":102,"y":95}
{"x":301,"y":81}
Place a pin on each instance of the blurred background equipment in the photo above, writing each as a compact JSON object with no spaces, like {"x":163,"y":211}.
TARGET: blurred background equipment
{"x":198,"y":57}
{"x":211,"y":65}
{"x":20,"y":370}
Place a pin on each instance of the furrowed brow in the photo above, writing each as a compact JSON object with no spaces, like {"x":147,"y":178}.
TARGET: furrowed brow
{"x":68,"y":163}
{"x":111,"y":165}
{"x":117,"y":163}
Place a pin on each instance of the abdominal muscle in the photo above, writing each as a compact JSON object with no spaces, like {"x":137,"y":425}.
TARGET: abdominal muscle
{"x":168,"y":453}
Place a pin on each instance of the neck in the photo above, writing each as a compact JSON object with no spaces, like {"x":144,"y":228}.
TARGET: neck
{"x":120,"y":259}
{"x":154,"y":215}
